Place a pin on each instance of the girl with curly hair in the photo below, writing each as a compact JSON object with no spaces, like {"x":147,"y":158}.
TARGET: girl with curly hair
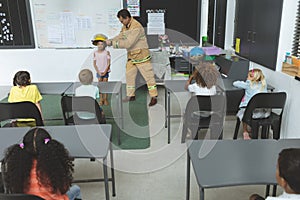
{"x":40,"y":166}
{"x":206,"y":76}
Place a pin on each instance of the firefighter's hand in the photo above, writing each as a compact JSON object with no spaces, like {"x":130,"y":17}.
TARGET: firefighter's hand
{"x":108,"y":42}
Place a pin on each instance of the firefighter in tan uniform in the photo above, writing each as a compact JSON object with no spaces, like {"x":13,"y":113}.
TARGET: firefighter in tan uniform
{"x":132,"y":37}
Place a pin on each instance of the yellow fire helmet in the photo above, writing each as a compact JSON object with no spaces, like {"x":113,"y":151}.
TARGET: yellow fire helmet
{"x":99,"y":37}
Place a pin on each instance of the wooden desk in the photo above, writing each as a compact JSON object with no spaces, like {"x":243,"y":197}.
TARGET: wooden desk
{"x":82,"y":141}
{"x":221,"y":163}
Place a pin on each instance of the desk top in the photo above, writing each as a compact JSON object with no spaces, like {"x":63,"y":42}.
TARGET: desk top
{"x":236,"y":162}
{"x":178,"y":85}
{"x":175,"y":85}
{"x":82,"y":141}
{"x":53,"y":87}
{"x":225,"y":84}
{"x":110,"y":87}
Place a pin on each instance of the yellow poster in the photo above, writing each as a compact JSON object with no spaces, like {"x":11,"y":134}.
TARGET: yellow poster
{"x":237,"y":45}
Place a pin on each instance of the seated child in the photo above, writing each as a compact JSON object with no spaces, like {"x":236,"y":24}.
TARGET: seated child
{"x":87,"y":89}
{"x":23,"y":90}
{"x":287,"y":175}
{"x":206,"y":76}
{"x":254,"y":84}
{"x":39,"y":166}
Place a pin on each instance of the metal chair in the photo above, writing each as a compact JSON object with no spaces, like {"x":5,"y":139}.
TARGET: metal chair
{"x":72,"y":105}
{"x":19,"y":197}
{"x":204,"y":112}
{"x":271,"y":101}
{"x":19,"y":110}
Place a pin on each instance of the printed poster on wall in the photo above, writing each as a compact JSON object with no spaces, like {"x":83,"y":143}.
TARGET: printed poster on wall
{"x":133,"y":7}
{"x":156,"y":23}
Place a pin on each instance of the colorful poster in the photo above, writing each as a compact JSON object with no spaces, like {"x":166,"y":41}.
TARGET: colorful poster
{"x":133,"y":7}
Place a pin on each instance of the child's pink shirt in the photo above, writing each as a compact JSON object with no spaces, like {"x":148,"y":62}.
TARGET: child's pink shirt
{"x":101,"y":60}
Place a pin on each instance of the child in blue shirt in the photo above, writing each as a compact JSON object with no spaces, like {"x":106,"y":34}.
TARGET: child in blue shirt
{"x":254,"y":84}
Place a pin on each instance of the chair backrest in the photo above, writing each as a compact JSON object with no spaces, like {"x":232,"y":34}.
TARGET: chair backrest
{"x":206,"y":112}
{"x":72,"y":105}
{"x":273,"y":100}
{"x":19,"y":197}
{"x":18,"y":110}
{"x":215,"y":104}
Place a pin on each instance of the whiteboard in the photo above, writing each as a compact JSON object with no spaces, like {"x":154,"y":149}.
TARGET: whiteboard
{"x":73,"y":23}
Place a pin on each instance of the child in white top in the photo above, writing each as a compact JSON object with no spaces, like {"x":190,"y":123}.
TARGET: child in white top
{"x":87,"y":89}
{"x":287,"y":175}
{"x":101,"y":63}
{"x":254,"y":84}
{"x":206,"y":76}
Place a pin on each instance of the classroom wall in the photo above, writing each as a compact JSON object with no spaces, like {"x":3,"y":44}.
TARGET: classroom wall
{"x":54,"y":64}
{"x":229,"y":29}
{"x":204,"y":19}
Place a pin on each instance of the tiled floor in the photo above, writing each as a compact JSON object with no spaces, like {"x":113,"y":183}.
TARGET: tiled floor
{"x":158,"y":172}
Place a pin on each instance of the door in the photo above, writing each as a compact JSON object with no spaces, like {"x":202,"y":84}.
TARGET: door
{"x":243,"y":25}
{"x":220,"y":23}
{"x":210,"y":24}
{"x":265,"y":33}
{"x":217,"y":22}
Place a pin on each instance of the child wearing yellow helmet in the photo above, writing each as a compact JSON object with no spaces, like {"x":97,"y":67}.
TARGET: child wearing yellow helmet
{"x":101,"y":63}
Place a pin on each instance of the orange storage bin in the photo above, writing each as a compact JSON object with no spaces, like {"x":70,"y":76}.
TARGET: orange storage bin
{"x":296,"y":61}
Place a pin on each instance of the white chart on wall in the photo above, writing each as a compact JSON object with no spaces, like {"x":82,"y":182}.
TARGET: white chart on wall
{"x":73,"y":23}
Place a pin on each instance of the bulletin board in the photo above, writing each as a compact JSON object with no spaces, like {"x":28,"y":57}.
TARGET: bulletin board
{"x":16,"y":29}
{"x":73,"y":23}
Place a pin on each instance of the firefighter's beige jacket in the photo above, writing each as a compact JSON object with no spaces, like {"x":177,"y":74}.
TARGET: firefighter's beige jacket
{"x":134,"y":40}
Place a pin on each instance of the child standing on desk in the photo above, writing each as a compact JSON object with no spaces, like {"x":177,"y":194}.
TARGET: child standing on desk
{"x":206,"y":76}
{"x":24,"y":91}
{"x":101,"y":63}
{"x":287,"y":175}
{"x":254,"y":84}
